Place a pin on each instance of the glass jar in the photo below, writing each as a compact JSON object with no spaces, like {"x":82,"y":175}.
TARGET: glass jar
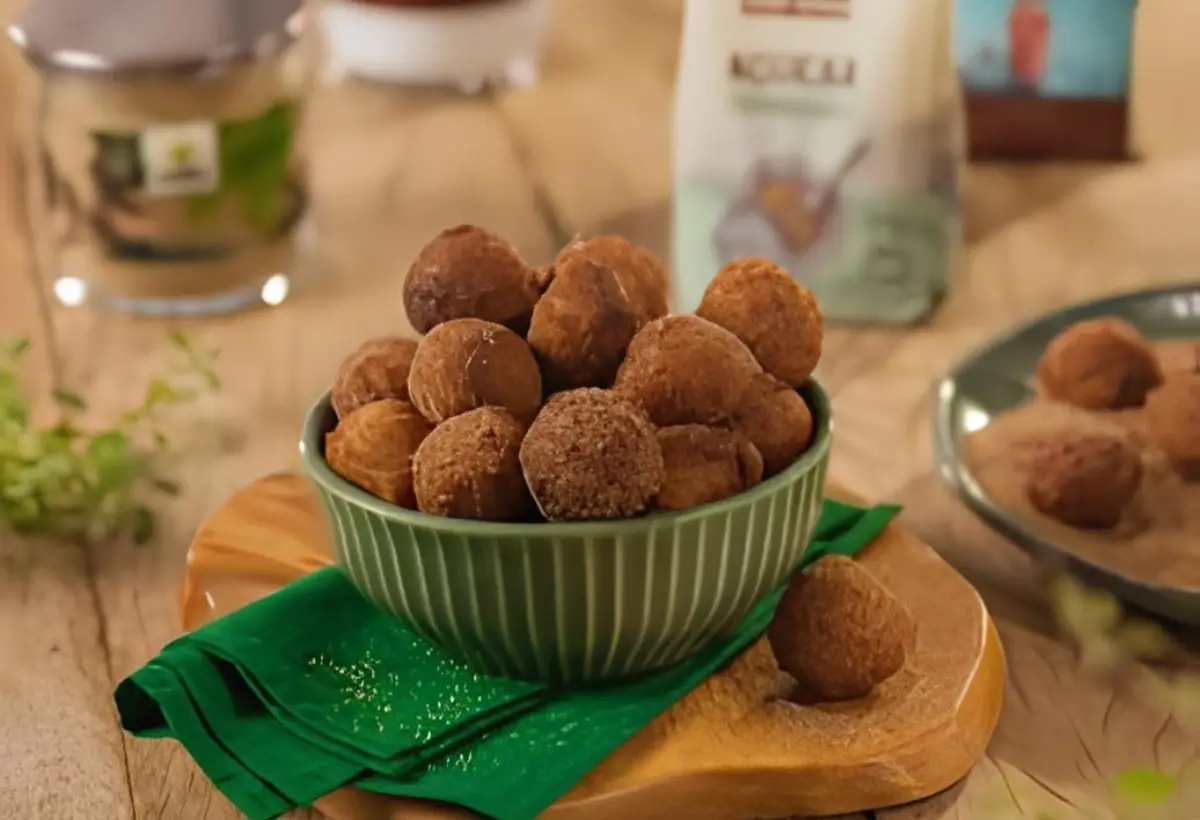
{"x":167,"y":138}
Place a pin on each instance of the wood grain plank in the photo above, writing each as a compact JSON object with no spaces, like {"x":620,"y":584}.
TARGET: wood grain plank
{"x":595,"y":131}
{"x":389,"y":171}
{"x":62,"y":754}
{"x":1064,"y":734}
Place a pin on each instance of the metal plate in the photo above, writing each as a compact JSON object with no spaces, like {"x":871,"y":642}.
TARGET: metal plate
{"x":1000,"y":376}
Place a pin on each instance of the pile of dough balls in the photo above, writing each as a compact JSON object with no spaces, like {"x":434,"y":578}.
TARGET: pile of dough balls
{"x":566,"y":392}
{"x":1086,"y":480}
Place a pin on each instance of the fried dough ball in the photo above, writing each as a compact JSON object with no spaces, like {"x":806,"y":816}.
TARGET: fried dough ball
{"x":377,"y":370}
{"x":466,"y":272}
{"x":772,"y":313}
{"x":776,"y":419}
{"x":1173,"y":416}
{"x":373,"y":448}
{"x":1099,"y":364}
{"x":1084,"y":480}
{"x":591,"y":455}
{"x":641,"y":274}
{"x":686,"y":370}
{"x":468,"y":467}
{"x":582,"y":326}
{"x":468,"y":363}
{"x":705,"y":464}
{"x":839,"y":632}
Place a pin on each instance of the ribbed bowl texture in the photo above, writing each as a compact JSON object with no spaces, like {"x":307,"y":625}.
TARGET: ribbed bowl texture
{"x":574,"y":602}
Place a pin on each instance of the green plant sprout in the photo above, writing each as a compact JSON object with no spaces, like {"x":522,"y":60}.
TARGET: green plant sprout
{"x":1108,"y":642}
{"x":73,"y":484}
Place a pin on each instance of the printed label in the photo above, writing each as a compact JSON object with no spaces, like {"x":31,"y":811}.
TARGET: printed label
{"x":180,"y":160}
{"x":825,"y":138}
{"x":193,"y":190}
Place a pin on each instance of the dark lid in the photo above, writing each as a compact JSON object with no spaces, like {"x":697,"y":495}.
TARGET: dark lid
{"x":138,"y":35}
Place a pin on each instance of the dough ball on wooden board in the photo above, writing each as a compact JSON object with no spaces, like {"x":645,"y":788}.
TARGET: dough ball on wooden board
{"x":377,"y":370}
{"x":466,"y":272}
{"x":1173,"y":419}
{"x":776,"y":419}
{"x":772,"y":313}
{"x":686,"y":370}
{"x":1084,"y":480}
{"x":469,"y":468}
{"x":839,"y":632}
{"x":641,"y":274}
{"x":468,"y":363}
{"x":1099,"y":364}
{"x":373,"y":448}
{"x":582,"y":326}
{"x":705,"y":464}
{"x":591,"y":455}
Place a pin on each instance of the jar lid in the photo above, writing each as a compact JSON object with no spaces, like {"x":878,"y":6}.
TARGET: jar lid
{"x":117,"y":36}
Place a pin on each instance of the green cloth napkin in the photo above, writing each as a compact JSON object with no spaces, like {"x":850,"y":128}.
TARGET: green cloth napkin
{"x":313,"y":688}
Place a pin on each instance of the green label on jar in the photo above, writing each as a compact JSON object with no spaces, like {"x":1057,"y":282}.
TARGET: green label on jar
{"x":197,"y":189}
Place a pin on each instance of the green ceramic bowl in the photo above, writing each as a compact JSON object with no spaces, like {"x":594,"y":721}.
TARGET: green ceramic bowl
{"x":574,"y":601}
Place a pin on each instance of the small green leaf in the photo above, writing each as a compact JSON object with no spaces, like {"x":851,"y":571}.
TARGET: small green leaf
{"x":1144,"y":786}
{"x":73,"y":484}
{"x":17,"y":348}
{"x":69,"y":400}
{"x":1143,"y":639}
{"x":142,"y":525}
{"x":160,"y":392}
{"x":180,"y":340}
{"x":166,"y":487}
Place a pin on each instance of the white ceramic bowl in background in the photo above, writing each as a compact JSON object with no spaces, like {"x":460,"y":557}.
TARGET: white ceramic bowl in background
{"x":468,"y":46}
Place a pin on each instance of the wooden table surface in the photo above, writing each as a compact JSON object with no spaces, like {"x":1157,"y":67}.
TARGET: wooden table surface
{"x":586,"y":150}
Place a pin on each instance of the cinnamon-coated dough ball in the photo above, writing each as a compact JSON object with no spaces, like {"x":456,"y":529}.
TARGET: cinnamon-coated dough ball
{"x":582,"y":325}
{"x":686,"y":370}
{"x":467,"y":363}
{"x":705,"y":464}
{"x":377,"y":370}
{"x":776,"y":419}
{"x":1084,"y":480}
{"x":373,"y":448}
{"x":591,"y":455}
{"x":469,"y":468}
{"x":642,"y":275}
{"x":839,"y":632}
{"x":1173,"y":416}
{"x":773,"y":314}
{"x":467,"y":272}
{"x":1099,"y":364}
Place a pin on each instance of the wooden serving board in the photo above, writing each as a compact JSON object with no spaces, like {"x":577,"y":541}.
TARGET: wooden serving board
{"x":728,"y":751}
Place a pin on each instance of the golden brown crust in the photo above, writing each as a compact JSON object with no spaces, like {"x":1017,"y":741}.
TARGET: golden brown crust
{"x":1173,"y":418}
{"x":467,"y":272}
{"x":776,"y":419}
{"x":582,"y":326}
{"x":686,"y":370}
{"x":377,"y":370}
{"x":373,"y":448}
{"x":705,"y":464}
{"x":469,"y":468}
{"x":591,"y":455}
{"x":468,"y":363}
{"x":642,"y":275}
{"x":839,"y":632}
{"x":1085,"y":480}
{"x":772,"y":313}
{"x":1100,"y":364}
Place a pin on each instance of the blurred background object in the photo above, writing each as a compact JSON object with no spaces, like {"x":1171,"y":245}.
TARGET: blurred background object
{"x":827,"y":137}
{"x":166,"y":139}
{"x":466,"y":44}
{"x":1046,"y":79}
